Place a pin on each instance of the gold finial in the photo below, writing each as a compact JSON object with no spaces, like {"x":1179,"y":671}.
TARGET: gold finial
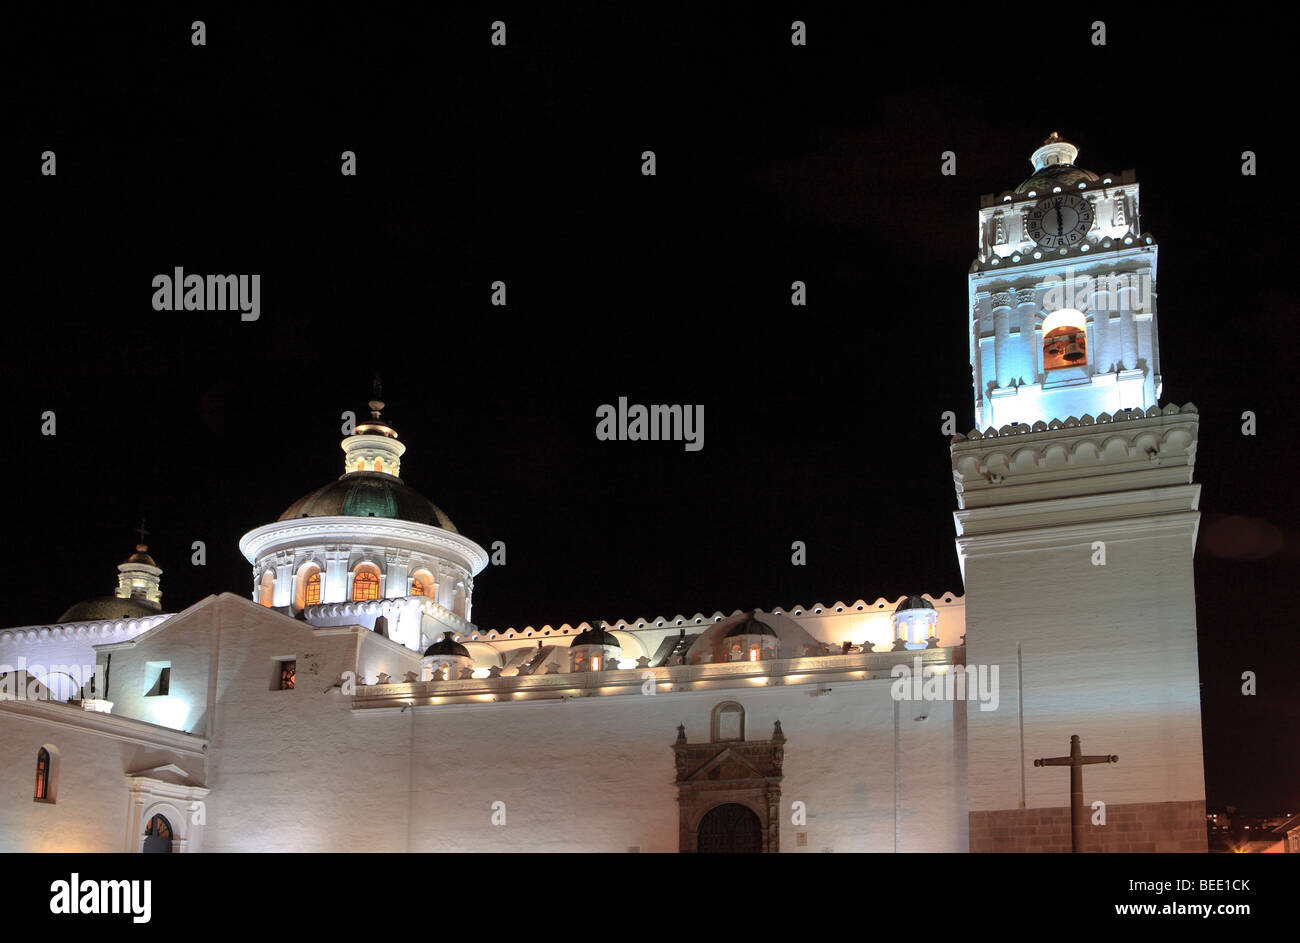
{"x":377,"y":404}
{"x":1053,"y":138}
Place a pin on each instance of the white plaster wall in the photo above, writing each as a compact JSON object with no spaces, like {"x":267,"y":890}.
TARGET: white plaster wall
{"x":1109,"y":654}
{"x":89,"y":814}
{"x":303,"y":770}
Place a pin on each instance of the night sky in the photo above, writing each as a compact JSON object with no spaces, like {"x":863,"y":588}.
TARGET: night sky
{"x":477,"y":163}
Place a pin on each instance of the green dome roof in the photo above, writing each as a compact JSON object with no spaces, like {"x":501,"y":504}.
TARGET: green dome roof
{"x":369,"y":494}
{"x":107,"y":607}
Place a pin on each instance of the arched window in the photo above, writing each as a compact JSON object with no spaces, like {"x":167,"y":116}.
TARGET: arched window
{"x":311,"y":590}
{"x":728,"y":722}
{"x":379,"y":464}
{"x":42,"y":776}
{"x":365,"y":584}
{"x":267,"y":592}
{"x":158,"y":836}
{"x":422,"y":584}
{"x":1065,"y":339}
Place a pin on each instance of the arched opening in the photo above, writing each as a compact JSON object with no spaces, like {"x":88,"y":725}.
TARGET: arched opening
{"x":365,"y":582}
{"x":422,"y":584}
{"x":266,"y":591}
{"x":1065,"y":339}
{"x":43,"y":765}
{"x":729,"y":829}
{"x":158,"y":836}
{"x":728,"y":722}
{"x":458,"y":601}
{"x":309,"y":587}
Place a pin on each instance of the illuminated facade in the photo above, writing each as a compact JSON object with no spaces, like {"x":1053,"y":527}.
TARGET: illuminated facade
{"x":341,"y":702}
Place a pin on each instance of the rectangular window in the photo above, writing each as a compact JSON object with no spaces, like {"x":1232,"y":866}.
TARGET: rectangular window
{"x":288,"y":669}
{"x":159,"y":675}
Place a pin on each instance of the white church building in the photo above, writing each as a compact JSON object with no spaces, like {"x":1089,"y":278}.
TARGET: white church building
{"x":349,"y":702}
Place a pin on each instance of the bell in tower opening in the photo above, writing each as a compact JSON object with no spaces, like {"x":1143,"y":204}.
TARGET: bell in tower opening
{"x":1065,"y":340}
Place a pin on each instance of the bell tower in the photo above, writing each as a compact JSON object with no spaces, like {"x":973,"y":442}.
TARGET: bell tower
{"x":1062,"y":297}
{"x":1076,"y":524}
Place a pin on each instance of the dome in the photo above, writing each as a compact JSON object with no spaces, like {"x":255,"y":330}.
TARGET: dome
{"x":595,"y":636}
{"x":140,"y":556}
{"x":751,"y":626}
{"x":447,"y":646}
{"x":1054,"y":167}
{"x":1065,"y":176}
{"x":369,"y":494}
{"x":107,"y":607}
{"x":914,"y":602}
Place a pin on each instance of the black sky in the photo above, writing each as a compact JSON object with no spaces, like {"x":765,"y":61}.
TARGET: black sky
{"x":522,"y":164}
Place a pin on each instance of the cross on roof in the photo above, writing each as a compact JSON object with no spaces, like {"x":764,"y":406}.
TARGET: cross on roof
{"x":141,"y":531}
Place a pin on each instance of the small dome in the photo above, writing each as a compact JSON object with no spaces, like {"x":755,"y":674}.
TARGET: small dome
{"x":369,"y":494}
{"x":914,"y":602}
{"x":107,"y":607}
{"x":447,"y":646}
{"x":140,"y":556}
{"x":751,"y":626}
{"x":595,"y":636}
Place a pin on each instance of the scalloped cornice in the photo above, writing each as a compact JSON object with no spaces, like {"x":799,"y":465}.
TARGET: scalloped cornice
{"x":389,"y":606}
{"x":700,"y":619}
{"x":1075,"y":457}
{"x":106,"y":628}
{"x":1072,"y":422}
{"x":1039,"y":256}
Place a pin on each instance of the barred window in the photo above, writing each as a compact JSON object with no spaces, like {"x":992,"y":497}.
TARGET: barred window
{"x":365,"y":585}
{"x":42,"y":774}
{"x":312,"y":592}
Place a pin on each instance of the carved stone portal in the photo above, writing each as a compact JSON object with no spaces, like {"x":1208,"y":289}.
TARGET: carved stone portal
{"x":729,"y":773}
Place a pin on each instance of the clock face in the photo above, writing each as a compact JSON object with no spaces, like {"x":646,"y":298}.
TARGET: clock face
{"x":1061,"y":220}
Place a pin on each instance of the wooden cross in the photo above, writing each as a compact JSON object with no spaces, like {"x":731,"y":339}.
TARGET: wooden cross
{"x":1076,"y":761}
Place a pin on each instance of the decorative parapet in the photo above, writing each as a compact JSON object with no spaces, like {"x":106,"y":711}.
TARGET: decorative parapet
{"x":365,"y":611}
{"x":1072,"y":422}
{"x":1070,"y":458}
{"x":812,"y":673}
{"x":115,"y":629}
{"x":1081,"y":251}
{"x":701,"y":620}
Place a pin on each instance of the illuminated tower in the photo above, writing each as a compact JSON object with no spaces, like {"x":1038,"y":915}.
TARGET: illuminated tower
{"x":1062,"y":297}
{"x":1076,"y":524}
